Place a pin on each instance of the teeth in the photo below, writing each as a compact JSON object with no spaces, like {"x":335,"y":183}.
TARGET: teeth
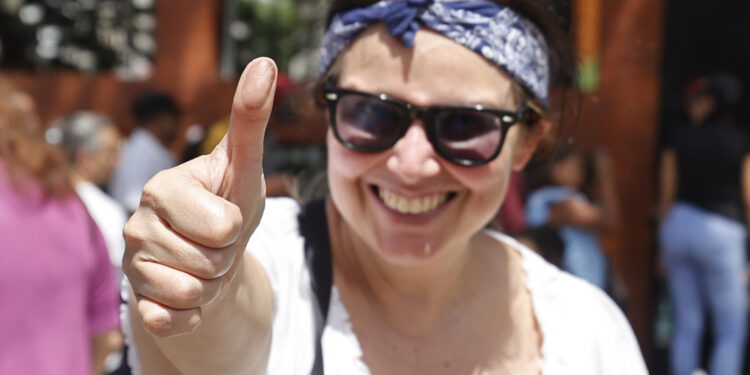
{"x":411,"y":206}
{"x":415,"y":206}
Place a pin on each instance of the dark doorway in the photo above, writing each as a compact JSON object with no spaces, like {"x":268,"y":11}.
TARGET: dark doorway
{"x":701,"y":37}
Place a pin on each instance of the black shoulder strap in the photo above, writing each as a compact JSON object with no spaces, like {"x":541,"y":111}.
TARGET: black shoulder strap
{"x":313,"y":226}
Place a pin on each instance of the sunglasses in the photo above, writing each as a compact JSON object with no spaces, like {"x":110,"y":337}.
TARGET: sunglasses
{"x":466,"y":136}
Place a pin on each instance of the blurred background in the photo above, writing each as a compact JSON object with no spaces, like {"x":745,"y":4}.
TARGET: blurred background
{"x":636,"y":59}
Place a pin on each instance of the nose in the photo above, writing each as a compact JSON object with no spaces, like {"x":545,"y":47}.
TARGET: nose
{"x":413,"y":157}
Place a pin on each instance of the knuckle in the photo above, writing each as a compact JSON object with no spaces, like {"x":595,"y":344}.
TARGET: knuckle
{"x":149,"y":196}
{"x":167,"y":325}
{"x":187,"y":292}
{"x":216,"y":263}
{"x":153,"y":190}
{"x":127,"y":267}
{"x":222,"y":231}
{"x":133,"y":234}
{"x":224,"y":226}
{"x":135,"y":243}
{"x":136,"y":273}
{"x":158,"y":324}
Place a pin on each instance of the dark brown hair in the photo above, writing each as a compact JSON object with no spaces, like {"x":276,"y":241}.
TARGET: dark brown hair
{"x":23,"y":149}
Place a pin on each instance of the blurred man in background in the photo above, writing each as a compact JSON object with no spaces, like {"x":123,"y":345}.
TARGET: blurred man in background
{"x":92,"y":143}
{"x":147,"y":150}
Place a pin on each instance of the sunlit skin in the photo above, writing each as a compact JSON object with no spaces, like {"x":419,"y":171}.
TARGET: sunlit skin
{"x":417,"y":285}
{"x":436,"y":72}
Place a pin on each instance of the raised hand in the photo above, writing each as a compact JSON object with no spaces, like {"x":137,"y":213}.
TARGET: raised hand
{"x":186,"y":241}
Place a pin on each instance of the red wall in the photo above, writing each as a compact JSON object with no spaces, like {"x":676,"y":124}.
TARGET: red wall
{"x":186,"y":65}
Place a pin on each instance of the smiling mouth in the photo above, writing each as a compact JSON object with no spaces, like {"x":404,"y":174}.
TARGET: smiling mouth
{"x":412,"y":206}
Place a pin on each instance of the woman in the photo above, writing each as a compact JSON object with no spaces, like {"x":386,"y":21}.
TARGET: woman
{"x":57,"y":288}
{"x":424,"y":133}
{"x":705,"y":193}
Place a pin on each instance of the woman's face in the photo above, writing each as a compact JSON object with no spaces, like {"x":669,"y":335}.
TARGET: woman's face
{"x":448,"y":203}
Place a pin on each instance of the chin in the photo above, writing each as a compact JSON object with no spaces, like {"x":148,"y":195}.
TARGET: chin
{"x":405,"y":250}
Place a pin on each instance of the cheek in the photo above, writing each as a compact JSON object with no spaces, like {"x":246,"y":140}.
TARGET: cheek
{"x":345,"y":170}
{"x":486,"y":189}
{"x":348,"y":164}
{"x":487,"y":177}
{"x":486,"y":185}
{"x":342,"y":162}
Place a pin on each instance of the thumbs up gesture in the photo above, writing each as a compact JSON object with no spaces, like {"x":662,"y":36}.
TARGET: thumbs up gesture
{"x":186,"y":241}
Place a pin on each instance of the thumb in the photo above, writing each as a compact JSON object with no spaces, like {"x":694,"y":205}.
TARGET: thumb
{"x":242,"y":147}
{"x":251,"y":109}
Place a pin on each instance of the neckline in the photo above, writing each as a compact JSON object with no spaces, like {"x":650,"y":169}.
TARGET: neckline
{"x":339,"y":338}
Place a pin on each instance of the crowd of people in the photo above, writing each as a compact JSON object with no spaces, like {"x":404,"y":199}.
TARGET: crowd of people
{"x":417,"y":239}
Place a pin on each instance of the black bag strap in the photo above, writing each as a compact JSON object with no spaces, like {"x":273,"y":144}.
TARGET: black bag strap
{"x":313,"y":226}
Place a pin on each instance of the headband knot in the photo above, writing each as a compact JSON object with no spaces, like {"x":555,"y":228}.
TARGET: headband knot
{"x":492,"y":30}
{"x":400,"y":17}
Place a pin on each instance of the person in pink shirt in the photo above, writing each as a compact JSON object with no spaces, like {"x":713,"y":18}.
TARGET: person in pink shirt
{"x":59,"y":302}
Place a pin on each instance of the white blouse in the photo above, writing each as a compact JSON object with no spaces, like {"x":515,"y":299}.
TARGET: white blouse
{"x":583,"y":331}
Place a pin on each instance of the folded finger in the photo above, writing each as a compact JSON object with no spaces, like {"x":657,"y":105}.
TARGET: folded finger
{"x":162,"y":244}
{"x":164,"y":321}
{"x":171,"y":287}
{"x":191,"y":209}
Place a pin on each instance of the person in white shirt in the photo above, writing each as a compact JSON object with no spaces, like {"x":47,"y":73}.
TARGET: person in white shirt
{"x":432,"y":104}
{"x":147,"y":150}
{"x":92,"y":144}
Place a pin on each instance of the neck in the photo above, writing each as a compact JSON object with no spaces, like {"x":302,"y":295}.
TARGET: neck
{"x":80,"y":174}
{"x":76,"y":177}
{"x":411,"y":298}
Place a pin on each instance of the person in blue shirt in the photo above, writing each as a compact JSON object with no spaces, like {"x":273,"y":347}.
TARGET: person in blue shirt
{"x":563,"y":203}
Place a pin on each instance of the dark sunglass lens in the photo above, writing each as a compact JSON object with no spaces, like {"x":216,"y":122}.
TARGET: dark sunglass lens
{"x":368,"y":122}
{"x":468,"y":134}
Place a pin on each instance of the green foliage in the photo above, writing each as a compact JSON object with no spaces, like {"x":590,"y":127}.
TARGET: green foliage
{"x":273,"y":23}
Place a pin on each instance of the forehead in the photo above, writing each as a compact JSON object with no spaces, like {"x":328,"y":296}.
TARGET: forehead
{"x":435,"y":71}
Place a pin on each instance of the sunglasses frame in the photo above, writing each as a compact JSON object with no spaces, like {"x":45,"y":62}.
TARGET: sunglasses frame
{"x":332,"y":95}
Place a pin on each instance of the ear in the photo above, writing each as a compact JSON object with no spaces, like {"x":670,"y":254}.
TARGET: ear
{"x":528,"y":145}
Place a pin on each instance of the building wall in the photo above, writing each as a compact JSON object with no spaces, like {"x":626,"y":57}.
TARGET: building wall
{"x":622,"y":117}
{"x":185,"y":65}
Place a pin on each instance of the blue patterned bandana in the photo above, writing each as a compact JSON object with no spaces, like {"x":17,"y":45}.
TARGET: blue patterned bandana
{"x":492,"y":30}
